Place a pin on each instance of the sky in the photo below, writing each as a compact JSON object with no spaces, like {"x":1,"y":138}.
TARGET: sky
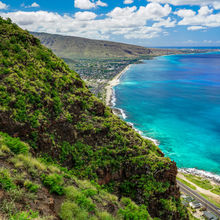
{"x":151,"y":23}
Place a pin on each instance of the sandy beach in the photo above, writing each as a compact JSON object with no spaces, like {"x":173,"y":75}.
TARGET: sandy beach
{"x":115,"y":81}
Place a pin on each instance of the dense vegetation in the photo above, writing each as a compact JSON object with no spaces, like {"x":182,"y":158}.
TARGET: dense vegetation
{"x":35,"y":189}
{"x":49,"y":107}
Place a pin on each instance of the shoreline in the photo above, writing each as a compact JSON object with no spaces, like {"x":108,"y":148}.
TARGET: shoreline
{"x":201,"y":173}
{"x":110,"y":101}
{"x":115,"y":81}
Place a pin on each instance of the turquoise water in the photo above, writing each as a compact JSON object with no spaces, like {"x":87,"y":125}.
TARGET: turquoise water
{"x":176,"y":100}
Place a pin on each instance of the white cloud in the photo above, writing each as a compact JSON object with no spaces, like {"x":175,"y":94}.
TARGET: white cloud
{"x":165,"y":23}
{"x":144,"y":33}
{"x":200,"y":43}
{"x":185,"y":13}
{"x":88,"y":4}
{"x":128,"y":1}
{"x":208,"y":41}
{"x":131,"y":16}
{"x":204,"y":17}
{"x":3,"y":5}
{"x":85,"y":16}
{"x":204,"y":11}
{"x":122,"y":12}
{"x":129,"y":22}
{"x":187,"y":2}
{"x":154,"y":11}
{"x":190,"y":42}
{"x":195,"y":28}
{"x":33,"y":5}
{"x":216,"y":5}
{"x":102,"y":4}
{"x":84,"y":4}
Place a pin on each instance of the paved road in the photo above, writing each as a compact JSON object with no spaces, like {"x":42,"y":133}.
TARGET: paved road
{"x":201,"y":199}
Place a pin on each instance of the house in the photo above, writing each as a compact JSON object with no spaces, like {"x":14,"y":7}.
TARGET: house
{"x":189,"y":198}
{"x":209,"y":216}
{"x":195,"y":204}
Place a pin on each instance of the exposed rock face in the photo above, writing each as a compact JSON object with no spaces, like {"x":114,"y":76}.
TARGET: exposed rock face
{"x":47,"y":105}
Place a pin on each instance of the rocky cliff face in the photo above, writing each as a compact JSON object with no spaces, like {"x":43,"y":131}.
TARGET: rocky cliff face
{"x":47,"y":105}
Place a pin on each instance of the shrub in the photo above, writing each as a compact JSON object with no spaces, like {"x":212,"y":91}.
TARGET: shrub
{"x":32,"y":164}
{"x":75,"y":195}
{"x":14,"y":144}
{"x":86,"y":203}
{"x":8,"y":207}
{"x":72,"y":193}
{"x":25,"y":215}
{"x":16,"y":194}
{"x":105,"y":216}
{"x":32,"y":187}
{"x":54,"y":182}
{"x":5,"y":180}
{"x":69,"y":210}
{"x":133,"y":212}
{"x":89,"y":192}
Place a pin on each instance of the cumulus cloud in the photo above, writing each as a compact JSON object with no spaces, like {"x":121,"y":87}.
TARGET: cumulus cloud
{"x":185,"y":13}
{"x":165,"y":23}
{"x":204,"y":11}
{"x":195,"y":28}
{"x":187,"y":2}
{"x":144,"y":33}
{"x":128,"y":1}
{"x":216,"y":5}
{"x":88,"y":4}
{"x":130,"y":22}
{"x":102,"y":4}
{"x":84,"y":4}
{"x":204,"y":17}
{"x":33,"y":5}
{"x":131,"y":16}
{"x":3,"y":5}
{"x":85,"y":16}
{"x":154,"y":11}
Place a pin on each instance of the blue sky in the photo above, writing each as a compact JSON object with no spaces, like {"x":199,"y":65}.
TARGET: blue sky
{"x":144,"y":22}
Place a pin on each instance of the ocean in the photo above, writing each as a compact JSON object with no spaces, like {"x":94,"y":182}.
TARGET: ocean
{"x":175,"y":100}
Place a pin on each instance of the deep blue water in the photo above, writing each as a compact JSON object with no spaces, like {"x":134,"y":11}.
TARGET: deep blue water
{"x":176,"y":100}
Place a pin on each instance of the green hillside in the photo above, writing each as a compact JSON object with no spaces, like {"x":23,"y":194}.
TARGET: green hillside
{"x":49,"y":107}
{"x":76,"y":47}
{"x":52,"y":191}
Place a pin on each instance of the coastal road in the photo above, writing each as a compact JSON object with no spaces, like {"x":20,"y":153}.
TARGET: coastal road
{"x":211,"y":207}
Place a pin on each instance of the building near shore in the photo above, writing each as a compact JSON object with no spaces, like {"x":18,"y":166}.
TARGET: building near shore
{"x":195,"y":204}
{"x":187,"y":198}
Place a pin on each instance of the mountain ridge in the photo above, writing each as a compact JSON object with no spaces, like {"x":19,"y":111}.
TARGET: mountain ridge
{"x":48,"y":106}
{"x":78,"y":47}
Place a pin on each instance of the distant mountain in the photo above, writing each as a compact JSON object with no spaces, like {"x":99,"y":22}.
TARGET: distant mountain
{"x":77,"y":47}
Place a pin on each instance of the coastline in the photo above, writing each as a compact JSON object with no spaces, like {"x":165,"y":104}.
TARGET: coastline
{"x":200,"y":173}
{"x":110,"y":101}
{"x":115,"y":81}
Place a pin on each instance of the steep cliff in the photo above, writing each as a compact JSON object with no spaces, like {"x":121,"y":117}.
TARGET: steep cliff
{"x":48,"y":106}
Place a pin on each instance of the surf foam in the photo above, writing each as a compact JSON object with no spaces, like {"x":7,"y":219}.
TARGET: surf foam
{"x":201,"y":173}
